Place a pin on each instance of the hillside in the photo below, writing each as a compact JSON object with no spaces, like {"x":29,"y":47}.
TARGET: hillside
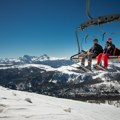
{"x":16,"y":105}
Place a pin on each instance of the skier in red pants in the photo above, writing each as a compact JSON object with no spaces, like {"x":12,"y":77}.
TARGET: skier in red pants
{"x":108,"y":51}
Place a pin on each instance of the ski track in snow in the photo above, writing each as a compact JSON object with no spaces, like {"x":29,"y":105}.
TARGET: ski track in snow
{"x":13,"y":106}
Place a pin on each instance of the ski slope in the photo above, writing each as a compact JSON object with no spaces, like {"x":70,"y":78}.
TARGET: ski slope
{"x":18,"y":105}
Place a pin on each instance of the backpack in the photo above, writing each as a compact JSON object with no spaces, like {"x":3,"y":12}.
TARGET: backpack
{"x":116,"y":52}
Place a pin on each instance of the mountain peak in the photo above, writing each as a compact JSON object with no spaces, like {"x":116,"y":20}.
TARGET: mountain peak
{"x":44,"y":57}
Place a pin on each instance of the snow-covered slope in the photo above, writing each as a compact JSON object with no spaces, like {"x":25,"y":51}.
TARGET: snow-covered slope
{"x":18,"y":105}
{"x":41,"y":66}
{"x":63,"y":69}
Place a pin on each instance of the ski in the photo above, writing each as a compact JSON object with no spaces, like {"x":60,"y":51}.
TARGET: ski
{"x":85,"y":69}
{"x":81,"y":69}
{"x":78,"y":69}
{"x":99,"y":67}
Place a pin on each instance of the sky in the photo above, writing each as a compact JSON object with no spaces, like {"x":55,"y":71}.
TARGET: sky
{"x":37,"y":27}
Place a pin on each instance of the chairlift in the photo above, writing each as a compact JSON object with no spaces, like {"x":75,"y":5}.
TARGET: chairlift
{"x":101,"y":20}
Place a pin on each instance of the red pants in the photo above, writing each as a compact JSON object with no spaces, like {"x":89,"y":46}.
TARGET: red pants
{"x":103,"y":57}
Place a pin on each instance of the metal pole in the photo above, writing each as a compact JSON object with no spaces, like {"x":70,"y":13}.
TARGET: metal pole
{"x":76,"y":33}
{"x":88,"y":9}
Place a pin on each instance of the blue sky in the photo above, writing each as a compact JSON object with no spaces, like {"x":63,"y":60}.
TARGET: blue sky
{"x":36,"y":27}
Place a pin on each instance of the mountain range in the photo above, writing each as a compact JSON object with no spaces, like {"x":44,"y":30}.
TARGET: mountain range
{"x":43,"y":59}
{"x":59,"y":77}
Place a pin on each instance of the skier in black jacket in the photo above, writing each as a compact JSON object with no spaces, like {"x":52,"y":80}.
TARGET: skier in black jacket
{"x":93,"y":52}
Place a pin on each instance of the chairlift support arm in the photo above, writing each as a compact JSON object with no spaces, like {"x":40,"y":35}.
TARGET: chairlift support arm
{"x":100,"y":20}
{"x":88,"y":9}
{"x":77,"y":38}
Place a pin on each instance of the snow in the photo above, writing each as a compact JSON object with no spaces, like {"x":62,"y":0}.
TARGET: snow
{"x":56,"y":58}
{"x":68,"y":69}
{"x":63,"y":69}
{"x":18,"y":105}
{"x":41,"y":66}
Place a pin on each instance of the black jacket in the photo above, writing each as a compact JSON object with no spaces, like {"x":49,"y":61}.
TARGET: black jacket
{"x":96,"y":49}
{"x":109,"y":50}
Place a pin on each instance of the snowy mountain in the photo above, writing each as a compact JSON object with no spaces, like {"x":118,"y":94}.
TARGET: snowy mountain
{"x":43,"y":59}
{"x":30,"y":59}
{"x":63,"y":81}
{"x":17,"y":105}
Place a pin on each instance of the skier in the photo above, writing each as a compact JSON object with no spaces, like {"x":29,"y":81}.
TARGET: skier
{"x":109,"y":50}
{"x":93,"y":52}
